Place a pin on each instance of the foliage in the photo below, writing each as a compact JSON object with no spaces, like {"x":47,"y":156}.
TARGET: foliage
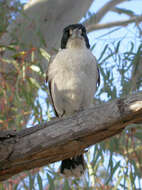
{"x":17,"y":96}
{"x":8,"y":11}
{"x":113,"y":164}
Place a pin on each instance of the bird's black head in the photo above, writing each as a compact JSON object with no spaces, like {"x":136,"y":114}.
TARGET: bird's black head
{"x":74,"y":31}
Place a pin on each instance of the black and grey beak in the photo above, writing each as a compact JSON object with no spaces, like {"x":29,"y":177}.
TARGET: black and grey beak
{"x":76,"y":33}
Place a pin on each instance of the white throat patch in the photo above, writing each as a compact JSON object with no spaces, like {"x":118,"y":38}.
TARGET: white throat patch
{"x":76,"y":43}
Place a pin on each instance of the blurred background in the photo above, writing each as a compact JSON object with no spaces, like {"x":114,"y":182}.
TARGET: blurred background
{"x":30,"y":33}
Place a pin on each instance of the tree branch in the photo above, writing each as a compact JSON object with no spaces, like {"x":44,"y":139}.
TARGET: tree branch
{"x":97,"y":17}
{"x":56,"y":140}
{"x":123,"y":11}
{"x":92,"y":27}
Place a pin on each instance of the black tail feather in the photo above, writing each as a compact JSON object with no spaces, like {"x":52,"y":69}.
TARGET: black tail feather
{"x":73,"y":166}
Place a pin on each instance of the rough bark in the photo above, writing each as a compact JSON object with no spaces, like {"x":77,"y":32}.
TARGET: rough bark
{"x":56,"y":140}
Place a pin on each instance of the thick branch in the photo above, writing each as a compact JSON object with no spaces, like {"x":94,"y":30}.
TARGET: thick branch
{"x":135,"y":19}
{"x":60,"y":139}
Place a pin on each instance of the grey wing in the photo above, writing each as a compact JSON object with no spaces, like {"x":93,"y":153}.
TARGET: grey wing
{"x":98,"y":72}
{"x":49,"y":80}
{"x":49,"y":64}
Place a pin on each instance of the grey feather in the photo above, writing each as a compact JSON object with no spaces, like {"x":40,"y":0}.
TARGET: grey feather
{"x":73,"y":74}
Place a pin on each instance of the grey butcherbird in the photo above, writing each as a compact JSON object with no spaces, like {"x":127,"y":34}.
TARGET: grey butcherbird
{"x":73,"y":76}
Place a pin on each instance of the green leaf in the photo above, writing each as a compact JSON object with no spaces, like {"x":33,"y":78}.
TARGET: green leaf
{"x":34,"y":82}
{"x":35,"y":68}
{"x":93,"y":47}
{"x":118,"y":182}
{"x":41,"y":37}
{"x":107,"y":57}
{"x":103,"y":52}
{"x":125,"y":11}
{"x":39,"y":182}
{"x":97,"y":155}
{"x":132,"y":178}
{"x":2,"y":187}
{"x":31,"y":182}
{"x":113,"y":170}
{"x":138,"y":135}
{"x":66,"y":185}
{"x":51,"y":182}
{"x":136,"y":59}
{"x":117,"y":47}
{"x":45,"y":54}
{"x":15,"y":187}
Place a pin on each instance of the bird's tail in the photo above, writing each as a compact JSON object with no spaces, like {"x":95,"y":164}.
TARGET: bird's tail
{"x":73,"y":167}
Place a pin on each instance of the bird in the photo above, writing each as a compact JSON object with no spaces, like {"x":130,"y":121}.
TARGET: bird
{"x":73,"y":77}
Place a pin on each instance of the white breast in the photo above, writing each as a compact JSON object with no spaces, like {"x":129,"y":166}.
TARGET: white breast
{"x":74,"y":76}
